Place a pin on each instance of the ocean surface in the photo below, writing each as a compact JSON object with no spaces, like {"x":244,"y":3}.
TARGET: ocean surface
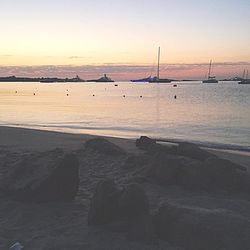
{"x":210,"y":114}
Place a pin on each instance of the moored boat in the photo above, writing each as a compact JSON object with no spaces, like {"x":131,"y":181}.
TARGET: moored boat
{"x":102,"y":79}
{"x":210,"y":79}
{"x":155,"y":79}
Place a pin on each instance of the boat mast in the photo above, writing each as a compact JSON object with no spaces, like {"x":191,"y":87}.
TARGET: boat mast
{"x":243,"y":75}
{"x":209,"y":71}
{"x":158,"y":68}
{"x":247,"y":75}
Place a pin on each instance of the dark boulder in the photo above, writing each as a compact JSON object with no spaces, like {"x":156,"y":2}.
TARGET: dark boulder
{"x":104,"y":203}
{"x":164,"y":168}
{"x":191,"y":150}
{"x":191,"y":174}
{"x":223,"y":174}
{"x":133,"y":201}
{"x":201,"y":228}
{"x":104,"y":146}
{"x":44,"y":177}
{"x":145,"y":143}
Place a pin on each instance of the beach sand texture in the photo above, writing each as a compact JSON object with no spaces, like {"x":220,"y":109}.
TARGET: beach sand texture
{"x":65,"y":225}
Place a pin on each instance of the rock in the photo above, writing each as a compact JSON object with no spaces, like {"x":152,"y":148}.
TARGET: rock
{"x":133,"y":201}
{"x":191,"y":174}
{"x":104,"y":146}
{"x":145,"y":143}
{"x":44,"y":177}
{"x":222,"y":173}
{"x":104,"y":203}
{"x":212,"y":174}
{"x":164,"y":168}
{"x":200,"y":228}
{"x":193,"y":151}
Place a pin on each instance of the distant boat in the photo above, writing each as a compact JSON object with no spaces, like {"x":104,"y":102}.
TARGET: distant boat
{"x":147,"y":79}
{"x":244,"y":80}
{"x":155,"y":79}
{"x":210,"y":79}
{"x":102,"y":79}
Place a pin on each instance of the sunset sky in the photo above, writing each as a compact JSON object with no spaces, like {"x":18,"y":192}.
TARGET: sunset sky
{"x":91,"y":37}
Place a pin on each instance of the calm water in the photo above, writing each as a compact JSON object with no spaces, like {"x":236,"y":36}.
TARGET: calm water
{"x":210,"y":113}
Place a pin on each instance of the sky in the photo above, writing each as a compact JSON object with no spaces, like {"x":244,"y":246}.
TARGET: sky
{"x":121,"y":38}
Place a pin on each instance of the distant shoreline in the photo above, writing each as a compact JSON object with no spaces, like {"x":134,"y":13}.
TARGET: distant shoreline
{"x":78,"y":79}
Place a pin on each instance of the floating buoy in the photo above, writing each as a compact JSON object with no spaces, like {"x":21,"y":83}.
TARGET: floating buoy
{"x":175,"y":97}
{"x":175,"y":85}
{"x":34,"y":93}
{"x":67,"y":94}
{"x":93,"y":95}
{"x":116,"y":85}
{"x":123,"y":95}
{"x":140,"y":96}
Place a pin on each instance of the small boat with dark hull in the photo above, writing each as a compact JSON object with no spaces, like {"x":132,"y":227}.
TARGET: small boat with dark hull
{"x":245,"y":79}
{"x":210,"y":79}
{"x":102,"y":79}
{"x":147,"y":79}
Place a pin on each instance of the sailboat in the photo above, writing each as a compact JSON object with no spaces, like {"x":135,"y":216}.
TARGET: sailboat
{"x":244,"y":80}
{"x":210,"y":79}
{"x":155,"y":79}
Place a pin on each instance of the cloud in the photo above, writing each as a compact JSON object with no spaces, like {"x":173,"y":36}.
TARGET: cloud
{"x":127,"y":71}
{"x":7,"y":55}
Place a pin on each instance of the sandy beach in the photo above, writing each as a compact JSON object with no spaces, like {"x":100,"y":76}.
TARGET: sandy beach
{"x":56,"y":225}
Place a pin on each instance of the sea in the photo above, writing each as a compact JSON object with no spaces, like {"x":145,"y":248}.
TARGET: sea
{"x":214,"y":115}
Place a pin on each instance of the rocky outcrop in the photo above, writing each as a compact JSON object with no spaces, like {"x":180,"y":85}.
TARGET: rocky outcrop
{"x":164,"y":168}
{"x":104,"y":203}
{"x":193,"y":151}
{"x":145,"y":143}
{"x":133,"y":201}
{"x":200,"y":228}
{"x":44,"y":177}
{"x":104,"y":146}
{"x":123,"y":210}
{"x":187,"y":165}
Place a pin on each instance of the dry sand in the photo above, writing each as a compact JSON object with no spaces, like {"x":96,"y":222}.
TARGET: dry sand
{"x":64,"y":226}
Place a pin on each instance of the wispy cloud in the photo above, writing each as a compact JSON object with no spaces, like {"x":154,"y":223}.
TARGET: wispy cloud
{"x":127,"y":71}
{"x":7,"y":55}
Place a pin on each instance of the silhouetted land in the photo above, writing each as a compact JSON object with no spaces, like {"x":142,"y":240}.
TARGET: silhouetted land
{"x":39,"y":79}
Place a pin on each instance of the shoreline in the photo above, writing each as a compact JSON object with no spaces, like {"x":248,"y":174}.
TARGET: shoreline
{"x":75,"y":138}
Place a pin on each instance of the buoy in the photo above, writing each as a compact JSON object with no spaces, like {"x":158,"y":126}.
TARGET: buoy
{"x":140,"y":96}
{"x":175,"y":85}
{"x":67,"y":94}
{"x":175,"y":97}
{"x":123,"y":95}
{"x":93,"y":95}
{"x":34,"y":93}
